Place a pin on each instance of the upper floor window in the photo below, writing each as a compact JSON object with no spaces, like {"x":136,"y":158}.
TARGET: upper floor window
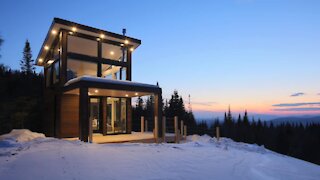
{"x":113,"y":72}
{"x":113,"y":52}
{"x":82,"y":46}
{"x":76,"y":68}
{"x":56,"y":71}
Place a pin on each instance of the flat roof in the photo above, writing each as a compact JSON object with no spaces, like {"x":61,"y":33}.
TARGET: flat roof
{"x":58,"y":24}
{"x":112,"y":84}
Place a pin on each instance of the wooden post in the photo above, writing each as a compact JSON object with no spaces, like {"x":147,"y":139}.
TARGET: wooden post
{"x":164,"y":129}
{"x":142,"y":124}
{"x":185,"y":132}
{"x":218,"y":133}
{"x":84,"y":114}
{"x":181,"y":127}
{"x":176,"y":128}
{"x":156,"y":129}
{"x":146,"y":124}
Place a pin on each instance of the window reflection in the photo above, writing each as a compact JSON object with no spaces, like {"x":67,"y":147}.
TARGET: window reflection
{"x":76,"y":68}
{"x":113,"y":52}
{"x":113,"y":72}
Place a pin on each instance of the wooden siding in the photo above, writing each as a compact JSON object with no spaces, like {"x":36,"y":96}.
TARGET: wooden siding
{"x":69,"y":126}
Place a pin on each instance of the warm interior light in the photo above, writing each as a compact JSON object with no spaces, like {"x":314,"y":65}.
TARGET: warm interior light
{"x":131,"y":49}
{"x":111,"y":53}
{"x":136,"y":94}
{"x":96,"y":91}
{"x":102,"y":36}
{"x":54,"y":32}
{"x":50,"y":61}
{"x":127,"y":95}
{"x":74,"y":29}
{"x":126,"y":41}
{"x":46,"y":47}
{"x":40,"y":60}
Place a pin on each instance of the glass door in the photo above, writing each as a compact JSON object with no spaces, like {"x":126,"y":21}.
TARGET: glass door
{"x":116,"y":115}
{"x":95,"y":114}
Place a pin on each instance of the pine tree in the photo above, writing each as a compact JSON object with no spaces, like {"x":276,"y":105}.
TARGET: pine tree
{"x":245,"y":118}
{"x":27,"y":63}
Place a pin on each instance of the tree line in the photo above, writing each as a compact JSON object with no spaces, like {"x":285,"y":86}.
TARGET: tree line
{"x":173,"y":107}
{"x":294,"y":140}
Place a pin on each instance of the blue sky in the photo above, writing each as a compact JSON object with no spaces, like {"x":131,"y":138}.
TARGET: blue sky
{"x":248,"y":54}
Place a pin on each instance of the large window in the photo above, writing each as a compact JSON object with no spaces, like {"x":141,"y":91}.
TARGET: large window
{"x":48,"y":76}
{"x":113,"y":72}
{"x":113,"y":52}
{"x":56,"y":71}
{"x":76,"y":68}
{"x":116,"y":115}
{"x":82,"y":46}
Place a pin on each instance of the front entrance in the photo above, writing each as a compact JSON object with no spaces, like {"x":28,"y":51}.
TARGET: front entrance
{"x":115,"y":114}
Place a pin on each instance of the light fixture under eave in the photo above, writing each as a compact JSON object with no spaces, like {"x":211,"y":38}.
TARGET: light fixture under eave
{"x":50,"y":61}
{"x":74,"y":29}
{"x":54,"y":32}
{"x":98,"y":39}
{"x":136,"y":94}
{"x":131,"y":49}
{"x":70,"y":32}
{"x":46,"y":47}
{"x":126,"y":41}
{"x":40,"y":60}
{"x":127,"y":95}
{"x":102,"y":36}
{"x":111,"y":53}
{"x":96,"y":91}
{"x":121,"y":44}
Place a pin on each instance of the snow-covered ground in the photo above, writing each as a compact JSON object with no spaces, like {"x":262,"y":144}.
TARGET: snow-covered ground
{"x":25,"y":155}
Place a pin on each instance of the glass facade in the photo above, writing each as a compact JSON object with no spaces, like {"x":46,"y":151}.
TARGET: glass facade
{"x":77,"y":68}
{"x":113,"y":72}
{"x":95,"y":114}
{"x":82,"y":46}
{"x":114,"y":52}
{"x":116,"y":115}
{"x":56,"y":71}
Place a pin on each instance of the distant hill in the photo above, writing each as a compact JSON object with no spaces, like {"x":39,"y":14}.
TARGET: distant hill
{"x":296,"y":120}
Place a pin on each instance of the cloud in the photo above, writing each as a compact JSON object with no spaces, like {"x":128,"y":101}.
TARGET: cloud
{"x":297,"y":104}
{"x":298,"y":109}
{"x":319,"y":94}
{"x":297,"y":94}
{"x":208,"y":103}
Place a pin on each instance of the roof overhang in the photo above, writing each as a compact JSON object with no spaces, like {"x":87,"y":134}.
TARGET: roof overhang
{"x":59,"y":24}
{"x":98,"y":86}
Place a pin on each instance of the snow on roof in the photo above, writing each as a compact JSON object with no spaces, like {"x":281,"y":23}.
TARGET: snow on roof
{"x":109,"y":81}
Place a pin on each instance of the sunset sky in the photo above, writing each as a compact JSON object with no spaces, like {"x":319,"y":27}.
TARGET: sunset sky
{"x":259,"y":55}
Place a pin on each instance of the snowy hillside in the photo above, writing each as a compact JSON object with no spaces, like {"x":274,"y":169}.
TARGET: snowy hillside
{"x":24,"y":155}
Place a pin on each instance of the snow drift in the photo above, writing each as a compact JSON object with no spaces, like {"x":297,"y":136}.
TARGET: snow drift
{"x":200,"y":157}
{"x":21,"y":135}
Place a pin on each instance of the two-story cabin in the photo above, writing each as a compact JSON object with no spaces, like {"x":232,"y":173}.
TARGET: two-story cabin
{"x":88,"y":85}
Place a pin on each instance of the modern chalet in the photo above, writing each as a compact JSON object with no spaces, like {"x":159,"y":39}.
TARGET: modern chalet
{"x":88,"y":87}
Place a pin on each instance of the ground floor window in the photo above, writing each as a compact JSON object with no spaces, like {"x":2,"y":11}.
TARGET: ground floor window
{"x":115,"y":114}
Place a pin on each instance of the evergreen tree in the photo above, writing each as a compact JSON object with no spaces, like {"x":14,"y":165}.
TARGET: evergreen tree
{"x":27,"y":63}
